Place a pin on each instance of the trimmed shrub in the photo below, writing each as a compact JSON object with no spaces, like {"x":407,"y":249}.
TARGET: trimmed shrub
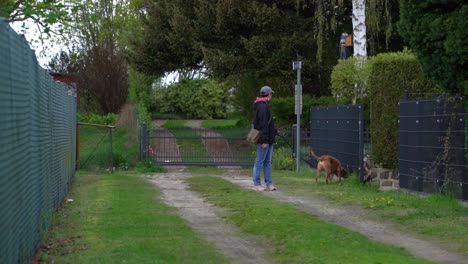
{"x":390,"y":75}
{"x":345,"y":75}
{"x":283,"y":108}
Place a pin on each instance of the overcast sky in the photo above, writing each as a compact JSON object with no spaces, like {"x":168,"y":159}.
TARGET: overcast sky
{"x":44,"y":51}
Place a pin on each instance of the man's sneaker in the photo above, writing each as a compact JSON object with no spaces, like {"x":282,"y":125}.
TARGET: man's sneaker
{"x":258,"y":188}
{"x":270,"y":188}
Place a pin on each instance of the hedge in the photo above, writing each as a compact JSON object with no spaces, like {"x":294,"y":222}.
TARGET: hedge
{"x":390,"y":75}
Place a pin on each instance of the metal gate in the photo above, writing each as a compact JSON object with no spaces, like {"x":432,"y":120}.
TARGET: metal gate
{"x":339,"y":131}
{"x":197,"y":146}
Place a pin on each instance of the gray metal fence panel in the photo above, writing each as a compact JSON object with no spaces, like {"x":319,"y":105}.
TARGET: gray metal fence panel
{"x":338,"y":131}
{"x":432,"y":146}
{"x":37,"y":141}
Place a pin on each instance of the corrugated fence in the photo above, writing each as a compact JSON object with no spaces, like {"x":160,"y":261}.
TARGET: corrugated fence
{"x":37,"y":142}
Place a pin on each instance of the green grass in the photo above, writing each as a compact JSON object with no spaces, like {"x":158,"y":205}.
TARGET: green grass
{"x":220,"y":124}
{"x":125,"y":151}
{"x":95,"y":149}
{"x":174,"y":124}
{"x":149,"y":166}
{"x":117,"y":218}
{"x":435,"y":217}
{"x":294,"y":236}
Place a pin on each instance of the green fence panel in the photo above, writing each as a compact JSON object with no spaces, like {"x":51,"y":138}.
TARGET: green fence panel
{"x":37,"y":142}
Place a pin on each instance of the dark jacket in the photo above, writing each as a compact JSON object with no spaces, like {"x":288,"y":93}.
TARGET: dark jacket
{"x":263,"y":121}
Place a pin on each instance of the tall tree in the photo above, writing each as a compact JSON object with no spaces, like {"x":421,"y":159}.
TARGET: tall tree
{"x":229,"y":38}
{"x":254,"y":38}
{"x":437,"y":32}
{"x":168,"y":41}
{"x":359,"y":28}
{"x":382,"y":17}
{"x":96,"y":36}
{"x":102,"y":79}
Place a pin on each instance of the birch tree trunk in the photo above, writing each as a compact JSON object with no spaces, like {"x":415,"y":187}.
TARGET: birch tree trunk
{"x":359,"y":28}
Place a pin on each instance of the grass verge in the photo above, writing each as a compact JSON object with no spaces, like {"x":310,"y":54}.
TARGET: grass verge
{"x":220,"y":124}
{"x":117,"y":218}
{"x":435,"y":217}
{"x":295,"y":237}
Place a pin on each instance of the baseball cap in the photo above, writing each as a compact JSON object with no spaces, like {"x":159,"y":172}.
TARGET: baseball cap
{"x":266,"y":90}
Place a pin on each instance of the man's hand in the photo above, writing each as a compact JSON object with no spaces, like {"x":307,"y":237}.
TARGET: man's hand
{"x":264,"y":145}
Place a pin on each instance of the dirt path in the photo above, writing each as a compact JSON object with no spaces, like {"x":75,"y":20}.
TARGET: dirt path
{"x":205,"y":219}
{"x":218,"y":150}
{"x":165,"y":145}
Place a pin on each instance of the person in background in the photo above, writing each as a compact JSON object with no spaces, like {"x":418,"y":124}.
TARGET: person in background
{"x":343,"y":48}
{"x":263,"y":121}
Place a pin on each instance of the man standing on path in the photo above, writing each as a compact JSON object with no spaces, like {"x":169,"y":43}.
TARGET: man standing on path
{"x":263,"y":121}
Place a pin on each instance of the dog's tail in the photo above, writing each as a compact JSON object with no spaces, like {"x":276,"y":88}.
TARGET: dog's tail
{"x":313,"y":154}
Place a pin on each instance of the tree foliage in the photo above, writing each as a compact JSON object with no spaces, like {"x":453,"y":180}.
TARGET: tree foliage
{"x":346,"y":75}
{"x":199,"y":98}
{"x":260,"y":38}
{"x":437,"y":32}
{"x":140,"y":93}
{"x":382,"y":17}
{"x":44,"y":13}
{"x":63,"y":62}
{"x":102,"y":79}
{"x":167,"y":43}
{"x":390,"y":75}
{"x":99,"y":36}
{"x":230,"y":38}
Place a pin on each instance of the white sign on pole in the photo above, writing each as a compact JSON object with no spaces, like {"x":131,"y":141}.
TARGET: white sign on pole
{"x":298,"y":100}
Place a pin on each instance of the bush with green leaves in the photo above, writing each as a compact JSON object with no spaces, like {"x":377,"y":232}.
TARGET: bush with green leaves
{"x":283,"y":159}
{"x":108,"y":119}
{"x":140,"y":90}
{"x":199,"y":98}
{"x":390,"y":75}
{"x":346,"y":75}
{"x":283,"y":108}
{"x":147,"y":166}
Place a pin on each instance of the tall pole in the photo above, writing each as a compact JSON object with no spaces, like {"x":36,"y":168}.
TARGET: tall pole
{"x":297,"y":65}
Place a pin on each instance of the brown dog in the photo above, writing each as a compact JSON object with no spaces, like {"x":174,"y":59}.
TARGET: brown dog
{"x":330,"y":165}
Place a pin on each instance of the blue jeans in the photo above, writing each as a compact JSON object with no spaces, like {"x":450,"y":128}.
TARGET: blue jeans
{"x":263,"y":159}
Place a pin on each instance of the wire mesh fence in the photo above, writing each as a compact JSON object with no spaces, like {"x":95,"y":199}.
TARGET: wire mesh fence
{"x":37,"y":139}
{"x":95,"y":150}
